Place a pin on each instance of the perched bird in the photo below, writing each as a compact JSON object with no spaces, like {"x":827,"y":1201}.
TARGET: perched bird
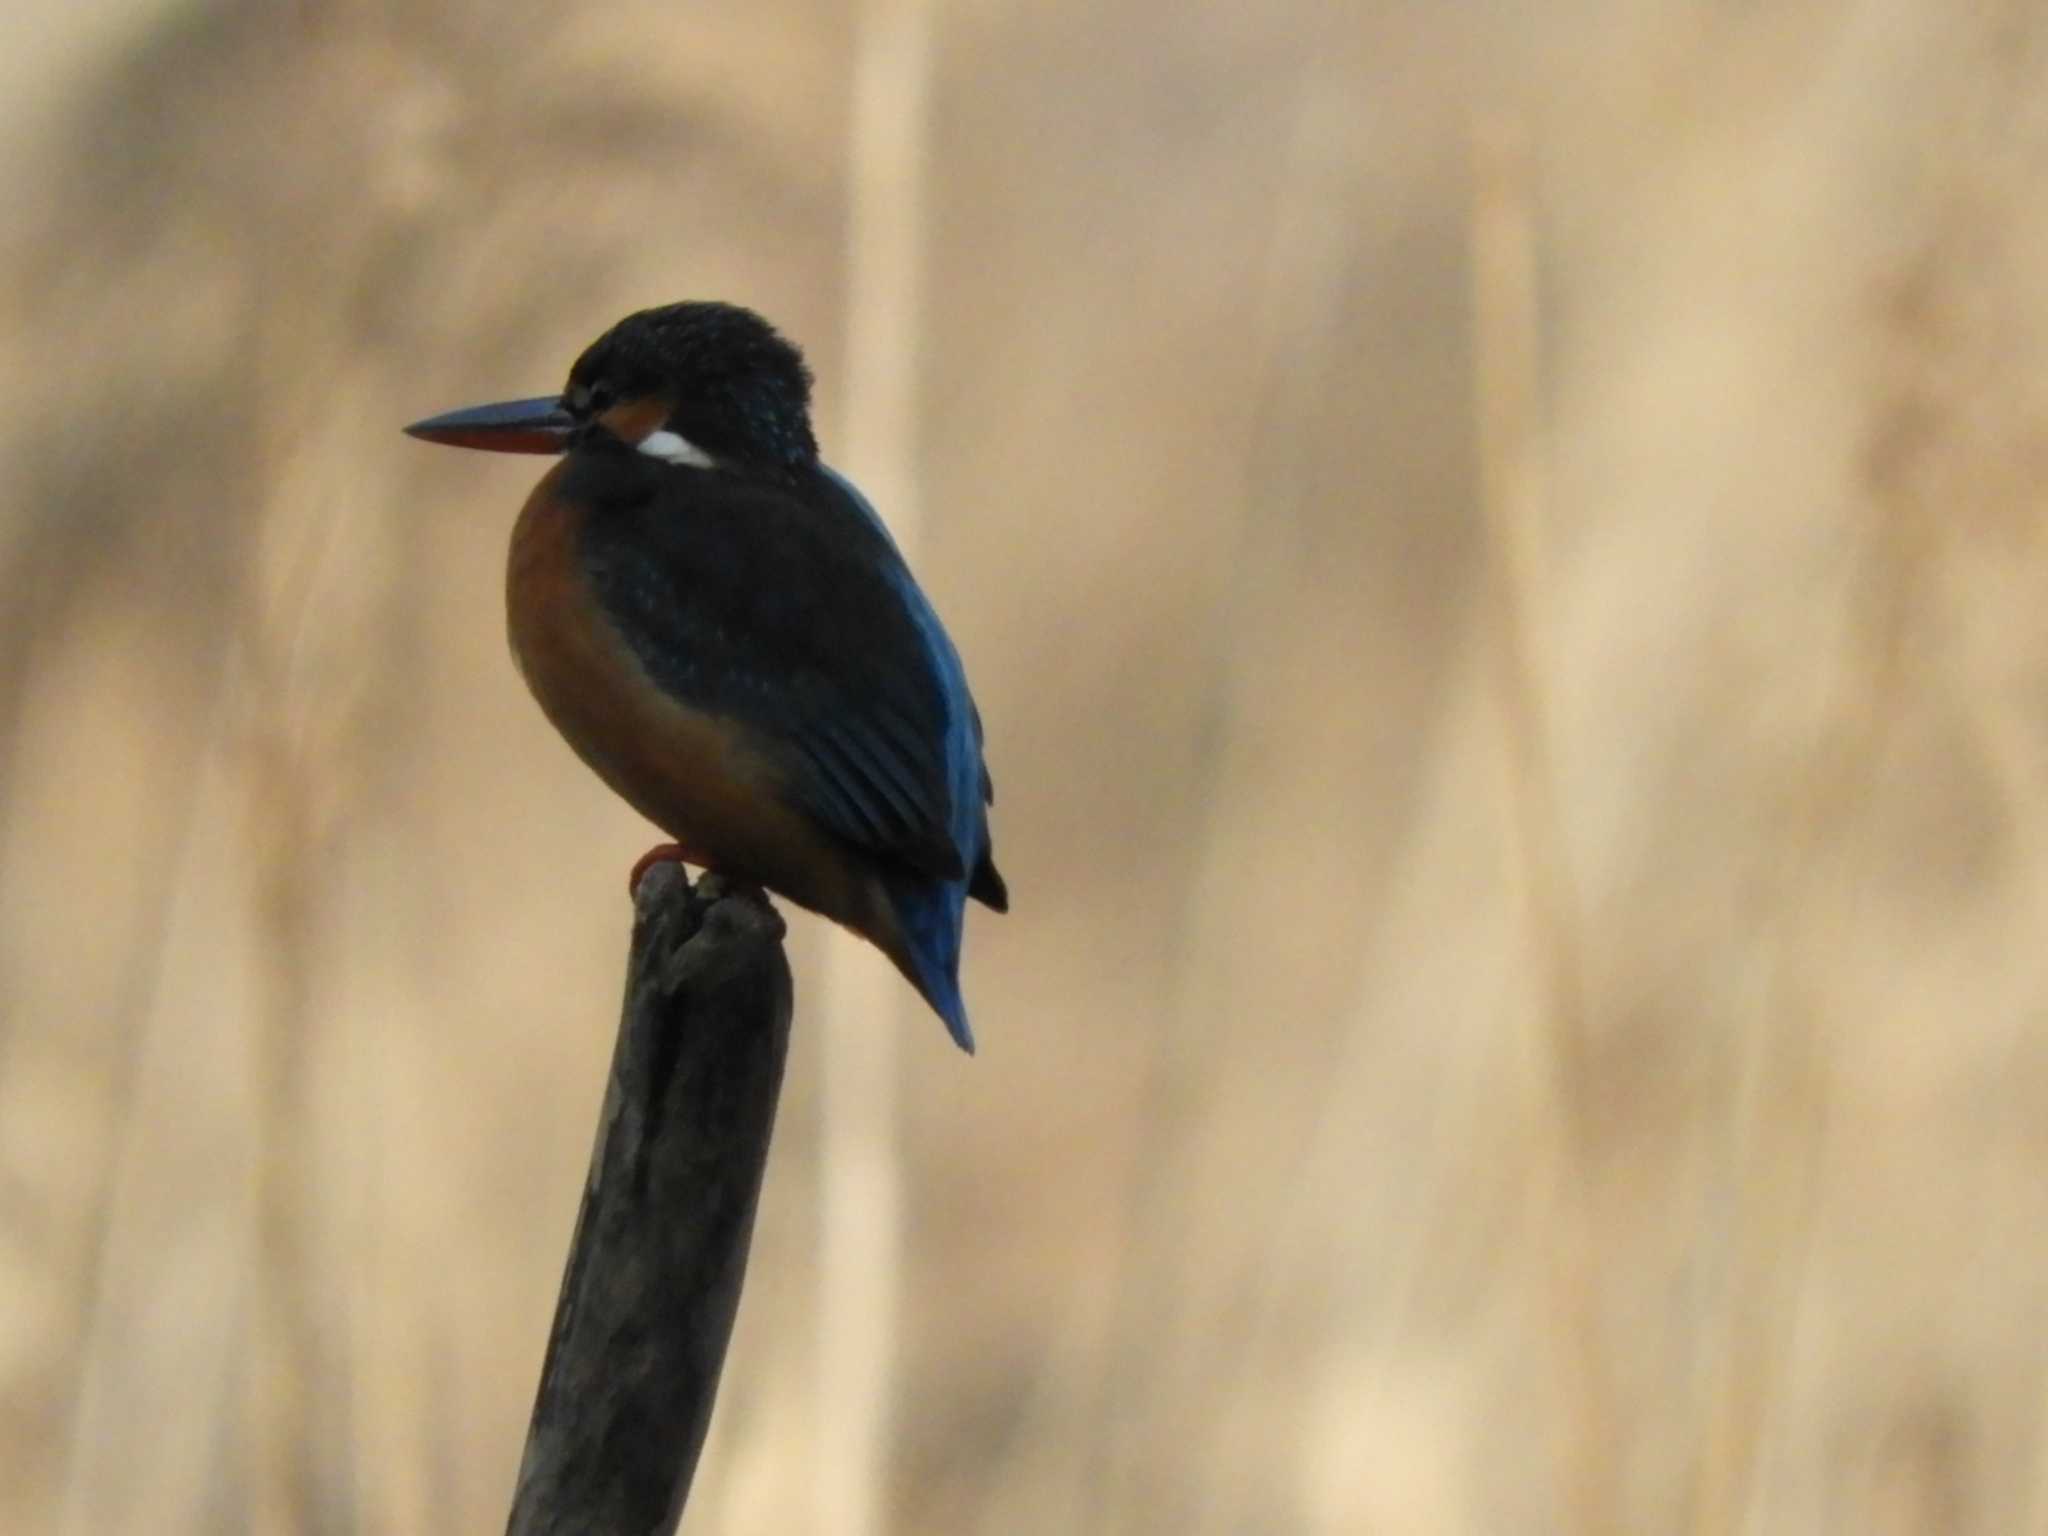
{"x":720,"y":625}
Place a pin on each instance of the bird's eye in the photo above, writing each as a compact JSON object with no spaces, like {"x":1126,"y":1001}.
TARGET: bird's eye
{"x":601,"y":398}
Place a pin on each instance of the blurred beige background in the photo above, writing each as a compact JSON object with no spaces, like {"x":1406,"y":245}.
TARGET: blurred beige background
{"x":1501,"y":551}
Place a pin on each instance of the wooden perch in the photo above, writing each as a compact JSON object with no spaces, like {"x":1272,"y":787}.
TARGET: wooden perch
{"x":654,"y":1272}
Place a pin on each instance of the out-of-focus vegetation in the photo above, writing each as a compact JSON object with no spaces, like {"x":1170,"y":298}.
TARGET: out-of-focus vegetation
{"x":1524,"y":782}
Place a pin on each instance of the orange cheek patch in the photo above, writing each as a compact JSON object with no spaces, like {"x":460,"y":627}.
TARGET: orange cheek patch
{"x":631,"y":420}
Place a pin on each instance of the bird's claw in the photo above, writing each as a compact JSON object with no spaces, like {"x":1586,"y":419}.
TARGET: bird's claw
{"x":660,"y":853}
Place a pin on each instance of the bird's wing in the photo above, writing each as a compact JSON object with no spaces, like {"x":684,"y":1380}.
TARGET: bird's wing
{"x":948,"y":660}
{"x":988,"y":785}
{"x":797,"y":619}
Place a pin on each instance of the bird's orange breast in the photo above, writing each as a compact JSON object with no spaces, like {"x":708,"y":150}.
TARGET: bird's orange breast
{"x":693,"y":774}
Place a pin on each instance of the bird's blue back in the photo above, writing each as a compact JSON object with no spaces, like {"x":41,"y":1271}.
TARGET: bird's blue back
{"x":933,"y":911}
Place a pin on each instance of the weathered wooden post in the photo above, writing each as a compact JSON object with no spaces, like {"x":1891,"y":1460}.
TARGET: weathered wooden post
{"x":654,"y":1272}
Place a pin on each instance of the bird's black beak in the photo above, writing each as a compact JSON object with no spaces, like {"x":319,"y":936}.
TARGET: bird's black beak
{"x":539,"y":425}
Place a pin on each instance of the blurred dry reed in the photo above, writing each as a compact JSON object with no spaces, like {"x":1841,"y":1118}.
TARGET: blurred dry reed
{"x":1507,"y":349}
{"x":860,"y":1161}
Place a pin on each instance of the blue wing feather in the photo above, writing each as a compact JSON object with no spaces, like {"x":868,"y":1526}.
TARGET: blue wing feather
{"x":933,"y":912}
{"x":793,"y":613}
{"x":967,"y":781}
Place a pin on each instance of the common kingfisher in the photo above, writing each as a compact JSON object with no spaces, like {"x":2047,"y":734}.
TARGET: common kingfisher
{"x":722,"y":628}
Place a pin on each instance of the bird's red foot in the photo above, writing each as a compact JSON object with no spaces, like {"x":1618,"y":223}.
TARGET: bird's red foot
{"x":660,"y":853}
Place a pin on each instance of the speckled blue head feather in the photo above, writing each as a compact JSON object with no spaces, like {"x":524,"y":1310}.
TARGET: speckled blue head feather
{"x":733,"y":385}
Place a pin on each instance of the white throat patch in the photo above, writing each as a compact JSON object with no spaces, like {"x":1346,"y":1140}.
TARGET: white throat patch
{"x":674,"y":448}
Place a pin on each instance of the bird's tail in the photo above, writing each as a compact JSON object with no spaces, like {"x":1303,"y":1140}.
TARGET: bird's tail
{"x":928,"y":917}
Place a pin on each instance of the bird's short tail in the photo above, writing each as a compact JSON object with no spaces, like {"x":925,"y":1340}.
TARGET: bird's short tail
{"x":928,"y":916}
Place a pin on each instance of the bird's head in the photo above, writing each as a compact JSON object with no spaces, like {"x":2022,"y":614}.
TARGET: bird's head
{"x":700,"y":384}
